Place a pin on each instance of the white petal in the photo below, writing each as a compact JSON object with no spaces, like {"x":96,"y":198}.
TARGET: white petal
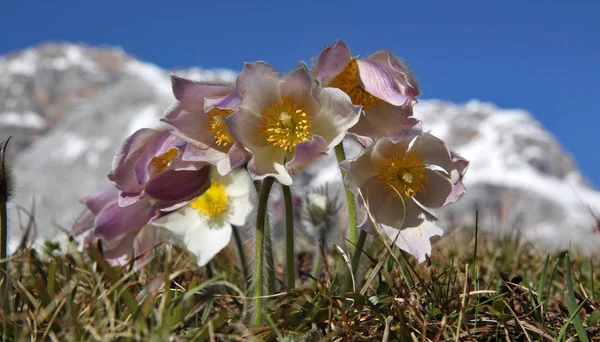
{"x":205,"y":242}
{"x":241,"y":207}
{"x":180,"y":221}
{"x":237,"y":182}
{"x":415,"y":240}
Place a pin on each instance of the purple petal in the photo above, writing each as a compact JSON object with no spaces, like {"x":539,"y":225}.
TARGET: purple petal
{"x":193,"y":125}
{"x":191,"y":94}
{"x":305,"y":153}
{"x":177,"y":185}
{"x":384,"y":120}
{"x":96,"y":202}
{"x":379,"y":83}
{"x":229,"y":101}
{"x":398,"y":69}
{"x":332,"y":61}
{"x":114,"y":222}
{"x":160,"y":144}
{"x":122,"y":173}
{"x":297,"y":85}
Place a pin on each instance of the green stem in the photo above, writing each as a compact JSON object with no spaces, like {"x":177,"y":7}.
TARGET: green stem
{"x":358,"y":251}
{"x":269,"y":258}
{"x":259,"y":250}
{"x":316,"y":269}
{"x":5,"y":180}
{"x":289,"y":237}
{"x":242,"y":254}
{"x":353,"y":231}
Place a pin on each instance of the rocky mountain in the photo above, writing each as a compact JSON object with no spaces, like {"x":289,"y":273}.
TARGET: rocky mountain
{"x":68,"y":108}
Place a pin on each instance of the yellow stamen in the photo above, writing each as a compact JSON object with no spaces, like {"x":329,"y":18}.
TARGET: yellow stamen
{"x":219,"y":127}
{"x":349,"y":83}
{"x":286,"y":124}
{"x":403,"y":174}
{"x":213,"y":202}
{"x":161,"y":162}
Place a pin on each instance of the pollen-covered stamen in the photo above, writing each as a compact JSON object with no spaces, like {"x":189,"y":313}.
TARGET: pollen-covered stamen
{"x":218,"y":126}
{"x":286,"y":124}
{"x":349,"y":83}
{"x":213,"y":202}
{"x":161,"y":162}
{"x":403,"y":174}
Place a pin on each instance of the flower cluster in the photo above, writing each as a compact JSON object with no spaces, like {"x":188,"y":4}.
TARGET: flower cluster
{"x":194,"y":178}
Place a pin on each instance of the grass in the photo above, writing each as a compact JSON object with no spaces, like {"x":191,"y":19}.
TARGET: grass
{"x":503,"y":290}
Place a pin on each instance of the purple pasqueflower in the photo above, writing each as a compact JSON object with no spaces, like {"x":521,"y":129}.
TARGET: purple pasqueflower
{"x":285,"y":122}
{"x":149,"y":166}
{"x":199,"y":117}
{"x":381,"y":83}
{"x":123,"y":232}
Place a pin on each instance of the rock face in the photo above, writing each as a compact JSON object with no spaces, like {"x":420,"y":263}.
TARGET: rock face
{"x":68,"y":108}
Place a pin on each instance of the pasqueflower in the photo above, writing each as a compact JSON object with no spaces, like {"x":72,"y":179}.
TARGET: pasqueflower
{"x":285,"y":122}
{"x":149,"y":166}
{"x":199,"y":117}
{"x":205,"y":224}
{"x":381,"y":83}
{"x":401,"y":178}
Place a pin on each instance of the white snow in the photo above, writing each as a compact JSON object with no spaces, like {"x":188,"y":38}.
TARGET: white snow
{"x":148,"y":117}
{"x":73,"y":146}
{"x":25,"y":119}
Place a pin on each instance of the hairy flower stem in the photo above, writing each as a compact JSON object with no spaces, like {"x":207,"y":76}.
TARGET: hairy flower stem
{"x":242,"y":255}
{"x":5,"y":189}
{"x":289,"y":237}
{"x":259,"y":250}
{"x":269,"y":258}
{"x":341,"y":156}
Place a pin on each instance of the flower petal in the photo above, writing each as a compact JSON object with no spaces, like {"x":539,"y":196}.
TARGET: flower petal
{"x":384,"y":120}
{"x":258,"y":86}
{"x":305,"y":153}
{"x":161,"y":143}
{"x":332,"y":61}
{"x":437,"y":190}
{"x":415,"y":240}
{"x":191,"y":94}
{"x":126,"y":158}
{"x":432,"y":151}
{"x":194,"y":125}
{"x":113,"y":222}
{"x":337,"y":115}
{"x":177,"y":185}
{"x":379,"y":83}
{"x":398,"y":69}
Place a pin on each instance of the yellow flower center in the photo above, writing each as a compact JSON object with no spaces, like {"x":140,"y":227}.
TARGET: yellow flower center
{"x":403,"y":174}
{"x":213,"y":202}
{"x":348,"y":82}
{"x":161,"y":162}
{"x":218,"y":126}
{"x":286,"y":124}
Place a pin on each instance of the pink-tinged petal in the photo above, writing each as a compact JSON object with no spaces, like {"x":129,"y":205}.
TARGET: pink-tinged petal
{"x":305,"y":153}
{"x":124,"y":162}
{"x":113,"y":222}
{"x":398,"y":69}
{"x":177,"y":185}
{"x":258,"y":86}
{"x":297,"y":85}
{"x":118,"y":252}
{"x":238,"y":156}
{"x":269,"y":161}
{"x":332,"y":61}
{"x":384,"y":120}
{"x":230,"y":101}
{"x":193,"y":153}
{"x":458,"y":188}
{"x":126,"y":199}
{"x":244,"y":127}
{"x":379,"y":83}
{"x":415,"y":240}
{"x":460,"y":164}
{"x":96,"y":202}
{"x":191,"y":94}
{"x":194,"y":126}
{"x":161,"y":143}
{"x":144,"y":241}
{"x":336,"y":116}
{"x":437,"y":190}
{"x":432,"y":151}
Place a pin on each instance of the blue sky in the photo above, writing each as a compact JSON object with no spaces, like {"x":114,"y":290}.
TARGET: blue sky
{"x":543,"y":56}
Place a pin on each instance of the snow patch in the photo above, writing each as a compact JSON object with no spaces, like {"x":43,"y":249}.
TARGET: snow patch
{"x":25,"y":119}
{"x":146,"y":117}
{"x":73,"y":147}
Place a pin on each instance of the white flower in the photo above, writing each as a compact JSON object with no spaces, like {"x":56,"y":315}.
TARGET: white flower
{"x":204,"y":224}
